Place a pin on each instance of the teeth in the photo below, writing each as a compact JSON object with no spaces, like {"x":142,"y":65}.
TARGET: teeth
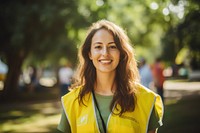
{"x":105,"y":61}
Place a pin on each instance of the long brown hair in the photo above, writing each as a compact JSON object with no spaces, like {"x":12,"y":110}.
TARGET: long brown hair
{"x":126,"y":71}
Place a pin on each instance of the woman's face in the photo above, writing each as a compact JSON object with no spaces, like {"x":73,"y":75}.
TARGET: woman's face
{"x":103,"y":52}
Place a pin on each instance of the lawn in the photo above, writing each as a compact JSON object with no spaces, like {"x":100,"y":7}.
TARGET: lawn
{"x":40,"y":112}
{"x":182,"y":116}
{"x":33,"y":112}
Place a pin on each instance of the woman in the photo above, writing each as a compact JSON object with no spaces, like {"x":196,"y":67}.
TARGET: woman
{"x":108,"y":97}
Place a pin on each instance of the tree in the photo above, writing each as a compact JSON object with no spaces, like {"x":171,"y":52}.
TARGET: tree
{"x":36,"y":27}
{"x":185,"y":34}
{"x":188,"y":34}
{"x":44,"y":31}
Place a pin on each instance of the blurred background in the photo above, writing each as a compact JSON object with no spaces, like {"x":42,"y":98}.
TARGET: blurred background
{"x":37,"y":38}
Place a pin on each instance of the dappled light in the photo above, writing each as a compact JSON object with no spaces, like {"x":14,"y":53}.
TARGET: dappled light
{"x":41,"y":115}
{"x":38,"y":37}
{"x":99,"y":2}
{"x":154,"y":6}
{"x":165,"y":11}
{"x":48,"y":82}
{"x":178,"y":90}
{"x":35,"y":123}
{"x":1,"y":85}
{"x":31,"y":116}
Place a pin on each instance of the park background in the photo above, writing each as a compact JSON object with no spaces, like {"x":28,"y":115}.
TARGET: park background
{"x":45,"y":35}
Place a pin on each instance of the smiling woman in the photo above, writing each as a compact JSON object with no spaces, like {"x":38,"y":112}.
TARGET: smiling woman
{"x":104,"y":52}
{"x":107,"y":96}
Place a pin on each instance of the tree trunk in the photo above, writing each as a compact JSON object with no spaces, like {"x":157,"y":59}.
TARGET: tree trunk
{"x":10,"y":90}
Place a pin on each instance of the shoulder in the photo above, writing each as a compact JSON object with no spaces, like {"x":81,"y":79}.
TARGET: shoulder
{"x":72,"y":95}
{"x":148,"y":96}
{"x":145,"y":96}
{"x":140,"y":89}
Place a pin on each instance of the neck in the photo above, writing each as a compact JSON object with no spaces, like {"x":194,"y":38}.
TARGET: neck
{"x":105,"y":84}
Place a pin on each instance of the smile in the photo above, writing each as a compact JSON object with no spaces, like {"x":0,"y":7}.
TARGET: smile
{"x":105,"y":61}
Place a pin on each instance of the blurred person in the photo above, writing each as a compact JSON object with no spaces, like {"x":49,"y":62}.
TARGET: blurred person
{"x":33,"y":79}
{"x":158,"y":77}
{"x":174,"y":70}
{"x":65,"y":75}
{"x":145,"y":73}
{"x":3,"y":70}
{"x":107,"y":96}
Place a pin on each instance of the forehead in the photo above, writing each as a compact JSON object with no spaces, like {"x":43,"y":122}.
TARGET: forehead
{"x":102,"y":35}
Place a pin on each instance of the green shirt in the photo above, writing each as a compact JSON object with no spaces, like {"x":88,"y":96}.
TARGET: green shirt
{"x":104,"y":107}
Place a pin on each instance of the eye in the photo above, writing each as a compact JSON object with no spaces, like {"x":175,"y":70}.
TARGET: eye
{"x":113,"y":47}
{"x":97,"y":47}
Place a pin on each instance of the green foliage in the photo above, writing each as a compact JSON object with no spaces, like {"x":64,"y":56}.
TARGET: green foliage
{"x":48,"y":30}
{"x":43,"y":32}
{"x":38,"y":27}
{"x":184,"y":34}
{"x":189,"y":31}
{"x":35,"y":30}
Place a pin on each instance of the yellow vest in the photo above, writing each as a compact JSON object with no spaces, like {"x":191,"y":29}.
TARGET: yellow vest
{"x":82,"y":119}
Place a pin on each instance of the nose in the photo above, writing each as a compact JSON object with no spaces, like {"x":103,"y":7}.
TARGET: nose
{"x":105,"y":51}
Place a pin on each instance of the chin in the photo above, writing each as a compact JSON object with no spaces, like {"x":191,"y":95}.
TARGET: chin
{"x":106,"y":70}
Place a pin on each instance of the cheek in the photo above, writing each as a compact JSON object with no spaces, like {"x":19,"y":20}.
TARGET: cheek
{"x":93,"y":54}
{"x":117,"y":55}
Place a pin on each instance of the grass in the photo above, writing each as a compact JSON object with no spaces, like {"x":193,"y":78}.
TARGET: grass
{"x":40,"y":112}
{"x":182,"y":116}
{"x":33,"y":112}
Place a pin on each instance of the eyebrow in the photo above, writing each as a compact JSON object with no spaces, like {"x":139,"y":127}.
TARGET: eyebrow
{"x":102,"y":43}
{"x":111,"y":42}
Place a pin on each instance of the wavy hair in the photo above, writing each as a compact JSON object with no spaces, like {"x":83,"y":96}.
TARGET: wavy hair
{"x":126,"y":71}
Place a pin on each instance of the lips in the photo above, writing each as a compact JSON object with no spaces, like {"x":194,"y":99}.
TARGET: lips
{"x":105,"y":61}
